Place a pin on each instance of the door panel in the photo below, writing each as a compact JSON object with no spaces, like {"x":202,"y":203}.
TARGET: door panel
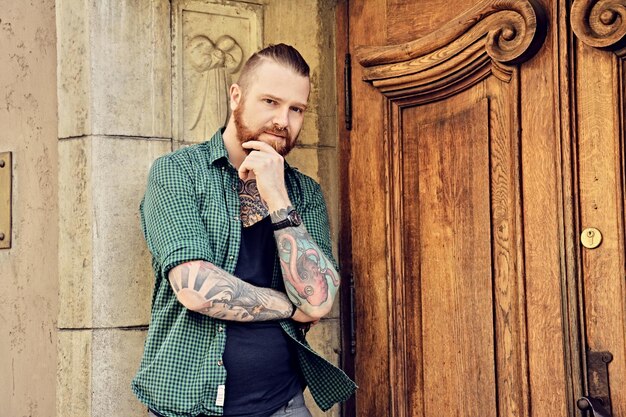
{"x":457,"y":281}
{"x":600,"y":207}
{"x":485,"y":138}
{"x":447,"y":256}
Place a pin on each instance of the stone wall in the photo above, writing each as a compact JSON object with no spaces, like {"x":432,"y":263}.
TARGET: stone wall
{"x":136,"y":80}
{"x":28,"y":270}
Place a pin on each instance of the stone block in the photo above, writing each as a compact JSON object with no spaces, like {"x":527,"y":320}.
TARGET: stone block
{"x":122,"y":271}
{"x":310,"y":133}
{"x":114,"y":72}
{"x":105,"y":272}
{"x":310,"y":29}
{"x":75,"y":233}
{"x":94,"y":371}
{"x":325,"y":338}
{"x":116,"y":357}
{"x":305,"y":159}
{"x":335,"y":313}
{"x":131,"y":68}
{"x":73,"y":68}
{"x":328,"y":172}
{"x":74,"y":373}
{"x":211,"y":40}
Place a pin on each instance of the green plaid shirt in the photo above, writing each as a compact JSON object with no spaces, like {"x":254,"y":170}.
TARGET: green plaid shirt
{"x":191,"y":211}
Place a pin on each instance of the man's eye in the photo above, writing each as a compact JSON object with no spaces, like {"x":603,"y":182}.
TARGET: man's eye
{"x":269,"y":101}
{"x":297,"y":109}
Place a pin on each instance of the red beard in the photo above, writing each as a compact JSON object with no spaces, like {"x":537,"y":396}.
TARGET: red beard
{"x":245,"y":134}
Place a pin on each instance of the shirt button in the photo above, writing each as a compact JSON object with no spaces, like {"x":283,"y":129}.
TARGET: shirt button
{"x":235,"y":218}
{"x":231,"y":257}
{"x":220,"y":363}
{"x":220,"y":329}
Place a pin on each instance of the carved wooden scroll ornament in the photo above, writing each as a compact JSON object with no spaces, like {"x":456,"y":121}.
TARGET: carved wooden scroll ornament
{"x":486,"y":39}
{"x":600,"y":23}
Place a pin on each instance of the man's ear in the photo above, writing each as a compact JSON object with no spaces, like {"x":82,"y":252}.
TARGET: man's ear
{"x":235,"y":96}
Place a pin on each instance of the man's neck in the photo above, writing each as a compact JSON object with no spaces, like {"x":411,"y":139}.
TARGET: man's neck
{"x":236,"y":153}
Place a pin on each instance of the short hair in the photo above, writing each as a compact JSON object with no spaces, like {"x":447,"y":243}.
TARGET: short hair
{"x":282,"y":54}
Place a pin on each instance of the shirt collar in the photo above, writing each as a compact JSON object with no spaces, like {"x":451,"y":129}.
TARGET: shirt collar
{"x":217,"y":149}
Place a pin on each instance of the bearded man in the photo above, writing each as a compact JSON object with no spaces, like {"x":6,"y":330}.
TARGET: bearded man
{"x":242,"y":259}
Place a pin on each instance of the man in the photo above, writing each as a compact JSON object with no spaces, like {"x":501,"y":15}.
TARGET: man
{"x":242,"y":260}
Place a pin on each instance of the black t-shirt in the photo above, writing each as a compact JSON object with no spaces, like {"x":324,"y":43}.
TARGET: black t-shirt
{"x":262,"y":374}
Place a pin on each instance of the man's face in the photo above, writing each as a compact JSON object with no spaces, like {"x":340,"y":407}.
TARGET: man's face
{"x":272,"y":107}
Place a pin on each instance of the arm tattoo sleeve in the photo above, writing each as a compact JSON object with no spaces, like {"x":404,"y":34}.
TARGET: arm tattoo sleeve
{"x":309,"y":275}
{"x":203,"y":287}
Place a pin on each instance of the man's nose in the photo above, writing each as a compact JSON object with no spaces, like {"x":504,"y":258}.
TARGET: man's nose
{"x":281,"y":118}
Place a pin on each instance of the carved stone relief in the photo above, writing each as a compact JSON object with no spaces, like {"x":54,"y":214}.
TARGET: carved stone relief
{"x":210,"y":43}
{"x":208,"y":78}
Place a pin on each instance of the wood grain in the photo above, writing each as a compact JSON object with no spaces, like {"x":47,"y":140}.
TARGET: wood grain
{"x":449,"y":142}
{"x":600,"y":23}
{"x":448,"y":274}
{"x":367,"y":206}
{"x":512,"y":31}
{"x":484,"y":40}
{"x":542,"y":219}
{"x":600,"y":141}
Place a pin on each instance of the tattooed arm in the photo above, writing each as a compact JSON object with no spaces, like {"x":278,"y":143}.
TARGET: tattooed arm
{"x":203,"y":287}
{"x":310,"y":277}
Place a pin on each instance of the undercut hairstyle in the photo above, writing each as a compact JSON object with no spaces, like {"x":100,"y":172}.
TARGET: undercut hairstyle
{"x":282,"y":54}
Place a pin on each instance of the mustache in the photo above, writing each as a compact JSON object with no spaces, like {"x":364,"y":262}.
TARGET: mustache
{"x":274,"y":130}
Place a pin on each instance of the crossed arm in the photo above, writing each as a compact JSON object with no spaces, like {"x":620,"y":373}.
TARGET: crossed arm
{"x":203,"y":287}
{"x":310,"y":279}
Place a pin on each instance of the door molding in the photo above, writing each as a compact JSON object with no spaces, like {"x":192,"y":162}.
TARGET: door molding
{"x":486,"y":39}
{"x":600,"y":24}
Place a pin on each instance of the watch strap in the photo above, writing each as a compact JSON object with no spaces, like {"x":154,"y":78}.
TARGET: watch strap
{"x":292,"y":219}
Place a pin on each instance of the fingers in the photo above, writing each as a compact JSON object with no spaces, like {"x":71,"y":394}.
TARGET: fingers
{"x":259,"y":146}
{"x":262,"y":158}
{"x":268,"y":167}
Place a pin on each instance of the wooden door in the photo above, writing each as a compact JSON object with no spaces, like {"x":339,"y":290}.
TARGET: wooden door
{"x":485,"y":136}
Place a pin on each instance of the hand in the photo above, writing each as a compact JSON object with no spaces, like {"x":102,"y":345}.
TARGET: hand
{"x":269,"y":170}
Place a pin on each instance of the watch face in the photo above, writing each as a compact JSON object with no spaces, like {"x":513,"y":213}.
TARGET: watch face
{"x":294,"y":218}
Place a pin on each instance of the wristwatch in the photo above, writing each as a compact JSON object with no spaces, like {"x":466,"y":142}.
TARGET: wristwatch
{"x":293,"y":220}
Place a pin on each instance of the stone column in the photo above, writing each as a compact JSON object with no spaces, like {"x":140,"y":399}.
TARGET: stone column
{"x":114,"y":77}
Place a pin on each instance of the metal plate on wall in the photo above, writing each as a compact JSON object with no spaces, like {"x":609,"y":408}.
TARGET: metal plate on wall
{"x":5,"y":200}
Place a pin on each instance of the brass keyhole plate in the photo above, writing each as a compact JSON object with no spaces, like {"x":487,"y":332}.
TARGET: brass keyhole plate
{"x":591,"y":238}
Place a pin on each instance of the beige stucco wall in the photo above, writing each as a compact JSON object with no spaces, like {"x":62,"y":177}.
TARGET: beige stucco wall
{"x":28,"y":271}
{"x":127,"y":95}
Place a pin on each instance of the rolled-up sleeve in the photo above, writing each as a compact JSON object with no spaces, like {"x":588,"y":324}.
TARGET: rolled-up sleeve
{"x":171,"y":221}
